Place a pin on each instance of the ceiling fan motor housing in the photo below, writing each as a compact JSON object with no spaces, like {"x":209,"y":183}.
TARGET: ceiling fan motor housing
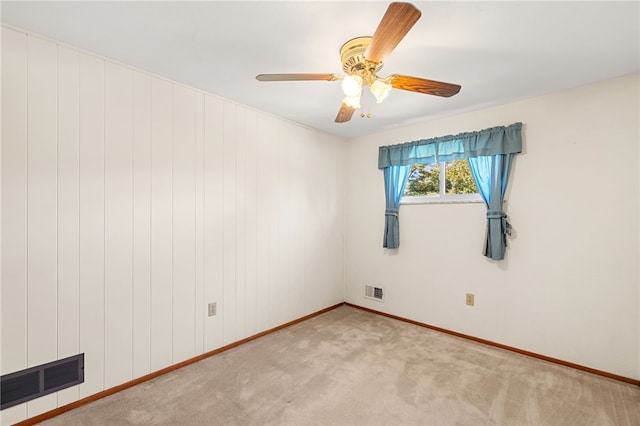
{"x":353,"y":60}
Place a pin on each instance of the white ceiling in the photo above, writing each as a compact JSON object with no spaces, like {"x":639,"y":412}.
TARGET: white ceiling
{"x":498,"y":51}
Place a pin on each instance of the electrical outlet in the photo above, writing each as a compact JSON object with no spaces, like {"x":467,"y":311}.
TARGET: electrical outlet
{"x":212,"y":309}
{"x":470,"y":299}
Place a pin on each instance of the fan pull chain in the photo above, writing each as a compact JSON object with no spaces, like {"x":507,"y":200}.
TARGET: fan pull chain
{"x":367,"y":105}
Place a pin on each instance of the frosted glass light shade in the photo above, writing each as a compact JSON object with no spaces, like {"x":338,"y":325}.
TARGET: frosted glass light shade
{"x":380,"y":89}
{"x":352,"y":101}
{"x":352,"y":85}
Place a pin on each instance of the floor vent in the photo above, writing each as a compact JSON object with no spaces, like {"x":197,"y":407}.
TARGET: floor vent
{"x":34,"y":382}
{"x":375,"y":293}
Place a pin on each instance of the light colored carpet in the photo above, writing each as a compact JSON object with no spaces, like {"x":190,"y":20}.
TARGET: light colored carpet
{"x":350,"y":367}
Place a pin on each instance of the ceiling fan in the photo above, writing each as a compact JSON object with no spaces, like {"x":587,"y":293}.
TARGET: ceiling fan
{"x":362,"y":58}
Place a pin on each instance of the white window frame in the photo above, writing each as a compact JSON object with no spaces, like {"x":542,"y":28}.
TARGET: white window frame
{"x":443,"y":197}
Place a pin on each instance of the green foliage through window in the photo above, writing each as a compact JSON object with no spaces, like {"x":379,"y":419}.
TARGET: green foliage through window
{"x":424,"y":179}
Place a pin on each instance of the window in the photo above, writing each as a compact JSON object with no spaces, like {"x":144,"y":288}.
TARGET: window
{"x":449,"y":181}
{"x":489,"y":152}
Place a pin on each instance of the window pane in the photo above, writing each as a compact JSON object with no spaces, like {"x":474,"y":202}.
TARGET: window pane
{"x":458,"y":178}
{"x":424,"y":180}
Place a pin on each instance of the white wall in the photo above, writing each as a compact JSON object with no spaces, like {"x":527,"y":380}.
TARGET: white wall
{"x":129,"y":202}
{"x":569,"y":287}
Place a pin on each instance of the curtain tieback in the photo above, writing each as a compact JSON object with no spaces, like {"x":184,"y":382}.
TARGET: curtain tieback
{"x":499,"y":214}
{"x":391,"y":212}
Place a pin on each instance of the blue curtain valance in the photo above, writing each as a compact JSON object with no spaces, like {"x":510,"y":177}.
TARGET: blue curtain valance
{"x":492,"y":141}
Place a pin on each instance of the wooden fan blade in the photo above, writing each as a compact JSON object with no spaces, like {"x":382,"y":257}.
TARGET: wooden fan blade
{"x":395,"y":24}
{"x":345,"y":114}
{"x":421,"y":85}
{"x":296,"y":77}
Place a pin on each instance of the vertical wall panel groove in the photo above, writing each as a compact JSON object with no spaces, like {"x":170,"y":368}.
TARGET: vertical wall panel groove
{"x":132,"y":238}
{"x":184,"y":225}
{"x":13,"y":320}
{"x":42,"y":209}
{"x":229,"y":222}
{"x":161,"y":225}
{"x":213,"y":219}
{"x":251,"y":164}
{"x":68,"y":210}
{"x":263,"y":234}
{"x":198,"y":261}
{"x":141,"y":224}
{"x":240,"y":225}
{"x":274,"y":222}
{"x":118,"y":224}
{"x":92,"y":222}
{"x":104,"y":225}
{"x":288,"y":254}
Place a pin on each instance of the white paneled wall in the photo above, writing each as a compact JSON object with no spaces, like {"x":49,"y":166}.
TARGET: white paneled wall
{"x":130,"y":202}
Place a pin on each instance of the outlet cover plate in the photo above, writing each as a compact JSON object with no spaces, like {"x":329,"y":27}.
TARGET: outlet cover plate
{"x":212,"y":309}
{"x":470,"y":299}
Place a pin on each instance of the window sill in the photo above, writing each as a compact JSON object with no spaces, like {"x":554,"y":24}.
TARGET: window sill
{"x":451,"y":199}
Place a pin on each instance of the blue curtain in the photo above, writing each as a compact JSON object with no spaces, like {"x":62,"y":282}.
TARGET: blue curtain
{"x":395,"y":181}
{"x":489,"y":152}
{"x":491,"y":174}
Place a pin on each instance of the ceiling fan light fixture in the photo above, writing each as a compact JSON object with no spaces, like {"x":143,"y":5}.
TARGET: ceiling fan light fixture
{"x":362,"y":58}
{"x":380,"y":89}
{"x":352,"y":86}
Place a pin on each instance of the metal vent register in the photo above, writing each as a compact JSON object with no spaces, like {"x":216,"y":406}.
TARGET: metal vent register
{"x":375,"y":293}
{"x":34,"y":382}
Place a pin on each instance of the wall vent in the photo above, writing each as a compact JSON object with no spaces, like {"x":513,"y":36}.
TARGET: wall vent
{"x":374,"y":293}
{"x":34,"y":382}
